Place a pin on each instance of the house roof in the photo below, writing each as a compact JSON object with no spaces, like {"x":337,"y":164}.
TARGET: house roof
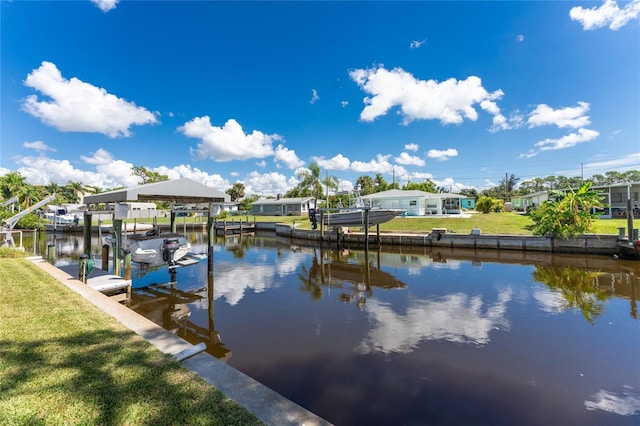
{"x":180,"y":191}
{"x":415,"y":193}
{"x":280,"y":201}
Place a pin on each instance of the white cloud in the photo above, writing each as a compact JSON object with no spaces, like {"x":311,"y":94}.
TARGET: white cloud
{"x":409,"y":160}
{"x":186,"y":171}
{"x":77,"y":106}
{"x":573,"y":117}
{"x":261,"y":163}
{"x":344,"y":103}
{"x":412,"y":147}
{"x":378,"y":165}
{"x":314,"y":96}
{"x":572,"y":139}
{"x":607,"y":14}
{"x":288,"y":157}
{"x":626,"y":403}
{"x":266,"y":184}
{"x":105,"y":5}
{"x":520,"y":38}
{"x":415,"y":44}
{"x":345,"y":185}
{"x":442,"y":155}
{"x":450,"y":101}
{"x":228,"y":142}
{"x":38,"y":146}
{"x":109,"y":173}
{"x":338,"y":162}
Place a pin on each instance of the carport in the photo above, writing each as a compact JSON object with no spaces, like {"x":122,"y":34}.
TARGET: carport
{"x":179,"y":191}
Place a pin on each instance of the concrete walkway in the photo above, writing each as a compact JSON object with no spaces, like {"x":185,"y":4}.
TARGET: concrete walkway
{"x":266,"y":404}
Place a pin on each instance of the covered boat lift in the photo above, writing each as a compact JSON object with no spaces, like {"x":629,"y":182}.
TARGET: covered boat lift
{"x":183,"y":191}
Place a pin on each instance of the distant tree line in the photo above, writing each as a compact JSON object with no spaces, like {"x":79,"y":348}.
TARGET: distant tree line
{"x":312,"y":184}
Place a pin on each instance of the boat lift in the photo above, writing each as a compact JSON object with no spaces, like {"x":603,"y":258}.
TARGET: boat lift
{"x":9,"y":224}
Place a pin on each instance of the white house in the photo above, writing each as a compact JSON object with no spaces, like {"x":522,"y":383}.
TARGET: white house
{"x":614,"y":196}
{"x":415,"y":202}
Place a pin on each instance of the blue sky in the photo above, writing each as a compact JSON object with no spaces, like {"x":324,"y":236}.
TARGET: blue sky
{"x":458,"y":92}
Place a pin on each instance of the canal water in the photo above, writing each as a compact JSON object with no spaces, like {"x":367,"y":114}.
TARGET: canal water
{"x":410,"y":336}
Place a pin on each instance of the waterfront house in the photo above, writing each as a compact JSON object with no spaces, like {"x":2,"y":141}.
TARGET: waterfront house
{"x":415,"y":202}
{"x":283,"y":206}
{"x":614,"y":196}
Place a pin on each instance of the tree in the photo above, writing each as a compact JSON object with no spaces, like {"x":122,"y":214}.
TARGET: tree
{"x":489,"y":204}
{"x":365,"y":184}
{"x":567,"y":216}
{"x":236,"y":191}
{"x":427,"y":186}
{"x":147,"y":175}
{"x":245,"y":204}
{"x":73,"y":191}
{"x":469,"y":192}
{"x":312,"y":185}
{"x":12,"y":184}
{"x":380,"y":183}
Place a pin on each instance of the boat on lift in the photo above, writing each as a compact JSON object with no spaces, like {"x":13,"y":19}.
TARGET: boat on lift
{"x":154,"y":247}
{"x":358,"y":215}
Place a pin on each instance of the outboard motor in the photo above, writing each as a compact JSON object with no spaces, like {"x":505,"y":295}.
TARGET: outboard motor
{"x":169,"y":248}
{"x":313,"y":219}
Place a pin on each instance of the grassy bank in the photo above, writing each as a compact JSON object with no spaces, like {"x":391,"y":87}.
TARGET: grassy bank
{"x":505,"y":223}
{"x":63,"y":361}
{"x":492,"y":223}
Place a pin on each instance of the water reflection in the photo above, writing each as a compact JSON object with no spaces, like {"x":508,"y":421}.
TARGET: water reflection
{"x":354,"y":275}
{"x":415,"y":336}
{"x":453,"y":318}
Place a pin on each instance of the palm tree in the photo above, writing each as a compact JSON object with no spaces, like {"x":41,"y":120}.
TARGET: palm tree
{"x":12,"y":184}
{"x":312,"y":184}
{"x":75,"y":189}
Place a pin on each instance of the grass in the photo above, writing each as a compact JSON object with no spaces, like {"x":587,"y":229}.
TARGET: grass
{"x":505,"y":223}
{"x":63,"y":361}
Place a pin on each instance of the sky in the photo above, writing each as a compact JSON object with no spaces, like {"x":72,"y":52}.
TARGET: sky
{"x":462,"y":93}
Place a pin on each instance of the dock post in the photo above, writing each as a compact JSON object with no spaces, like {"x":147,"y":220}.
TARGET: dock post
{"x":117,"y":250}
{"x":86,"y":233}
{"x":105,"y":257}
{"x":173,"y":221}
{"x":82,"y":268}
{"x":378,"y":235}
{"x":366,"y":229}
{"x":51,"y":253}
{"x":211,"y":238}
{"x":127,"y":264}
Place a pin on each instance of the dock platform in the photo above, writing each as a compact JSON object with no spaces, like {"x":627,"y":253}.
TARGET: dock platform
{"x":100,"y":280}
{"x":224,"y":228}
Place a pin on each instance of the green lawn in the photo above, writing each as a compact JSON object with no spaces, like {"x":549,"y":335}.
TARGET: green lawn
{"x":505,"y":223}
{"x":63,"y":361}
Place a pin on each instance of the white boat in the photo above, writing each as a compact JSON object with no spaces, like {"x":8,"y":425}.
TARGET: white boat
{"x":65,"y":214}
{"x":154,"y":248}
{"x":358,"y":216}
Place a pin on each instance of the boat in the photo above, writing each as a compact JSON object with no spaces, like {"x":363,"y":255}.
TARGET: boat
{"x":358,"y":215}
{"x":65,"y":214}
{"x":153,"y":247}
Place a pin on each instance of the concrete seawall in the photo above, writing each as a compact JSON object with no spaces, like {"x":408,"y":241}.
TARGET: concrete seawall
{"x":584,"y":244}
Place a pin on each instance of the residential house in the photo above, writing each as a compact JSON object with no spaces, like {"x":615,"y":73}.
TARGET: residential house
{"x":614,"y":196}
{"x":282,"y":206}
{"x":415,"y":202}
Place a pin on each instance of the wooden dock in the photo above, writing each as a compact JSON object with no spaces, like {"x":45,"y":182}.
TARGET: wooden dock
{"x":234,"y":227}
